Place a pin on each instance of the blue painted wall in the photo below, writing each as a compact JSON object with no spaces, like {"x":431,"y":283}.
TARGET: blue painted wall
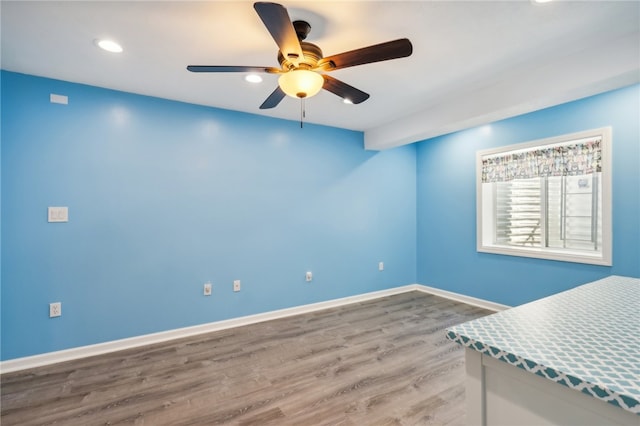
{"x":446,"y":203}
{"x":164,"y":196}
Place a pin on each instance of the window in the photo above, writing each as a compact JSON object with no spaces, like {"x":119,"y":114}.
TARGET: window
{"x":549,"y":199}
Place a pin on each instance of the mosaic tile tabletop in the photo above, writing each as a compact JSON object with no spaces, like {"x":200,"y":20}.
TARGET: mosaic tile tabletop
{"x":586,"y":338}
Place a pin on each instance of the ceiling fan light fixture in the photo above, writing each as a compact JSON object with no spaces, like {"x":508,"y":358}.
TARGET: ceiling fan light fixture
{"x":303,"y":68}
{"x":301,"y":83}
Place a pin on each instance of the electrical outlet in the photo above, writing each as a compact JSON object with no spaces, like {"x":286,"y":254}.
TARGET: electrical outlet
{"x":236,"y":285}
{"x":55,"y":309}
{"x":381,"y":266}
{"x":58,"y":214}
{"x":207,"y":289}
{"x":308,"y":276}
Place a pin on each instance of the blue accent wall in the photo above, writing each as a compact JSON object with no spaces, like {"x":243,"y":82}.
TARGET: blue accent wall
{"x":164,"y":196}
{"x":446,"y":203}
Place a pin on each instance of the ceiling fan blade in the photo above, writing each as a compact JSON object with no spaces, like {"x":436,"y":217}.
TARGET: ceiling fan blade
{"x":379,"y":52}
{"x":274,"y":99}
{"x":343,"y":90}
{"x":230,"y":68}
{"x":276,"y":18}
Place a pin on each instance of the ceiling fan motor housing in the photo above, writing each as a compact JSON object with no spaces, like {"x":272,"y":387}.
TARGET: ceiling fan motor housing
{"x":311,"y":55}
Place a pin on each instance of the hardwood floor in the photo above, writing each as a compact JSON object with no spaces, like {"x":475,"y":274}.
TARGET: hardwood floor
{"x":380,"y":362}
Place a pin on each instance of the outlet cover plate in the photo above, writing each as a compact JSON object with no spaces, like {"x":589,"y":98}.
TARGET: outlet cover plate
{"x":58,"y":214}
{"x":55,"y":309}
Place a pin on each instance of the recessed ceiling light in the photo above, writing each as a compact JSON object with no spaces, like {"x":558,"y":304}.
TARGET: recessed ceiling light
{"x":253,"y":78}
{"x":347,"y":101}
{"x":540,"y":1}
{"x":109,"y":46}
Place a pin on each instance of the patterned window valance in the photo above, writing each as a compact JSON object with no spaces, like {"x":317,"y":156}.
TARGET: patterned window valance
{"x":579,"y":157}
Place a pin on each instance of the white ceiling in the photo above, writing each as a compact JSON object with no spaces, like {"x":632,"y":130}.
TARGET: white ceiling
{"x":473,"y":61}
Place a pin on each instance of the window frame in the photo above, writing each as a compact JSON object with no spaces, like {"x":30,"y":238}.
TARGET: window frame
{"x":603,"y":258}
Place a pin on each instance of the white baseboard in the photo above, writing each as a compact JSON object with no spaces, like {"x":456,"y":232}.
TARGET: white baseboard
{"x":48,"y":358}
{"x":474,"y":301}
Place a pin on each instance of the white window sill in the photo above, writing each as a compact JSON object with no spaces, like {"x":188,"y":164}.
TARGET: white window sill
{"x":603,"y":259}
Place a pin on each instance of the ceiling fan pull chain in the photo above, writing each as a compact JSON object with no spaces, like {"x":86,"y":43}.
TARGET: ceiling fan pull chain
{"x":301,"y":111}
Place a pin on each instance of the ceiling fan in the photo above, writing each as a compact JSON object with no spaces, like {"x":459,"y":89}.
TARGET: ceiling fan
{"x":302,"y":66}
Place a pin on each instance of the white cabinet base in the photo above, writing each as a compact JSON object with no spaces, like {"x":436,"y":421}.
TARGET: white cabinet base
{"x":500,"y":394}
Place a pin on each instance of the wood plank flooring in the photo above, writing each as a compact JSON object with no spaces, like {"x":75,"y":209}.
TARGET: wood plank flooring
{"x":380,"y":362}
